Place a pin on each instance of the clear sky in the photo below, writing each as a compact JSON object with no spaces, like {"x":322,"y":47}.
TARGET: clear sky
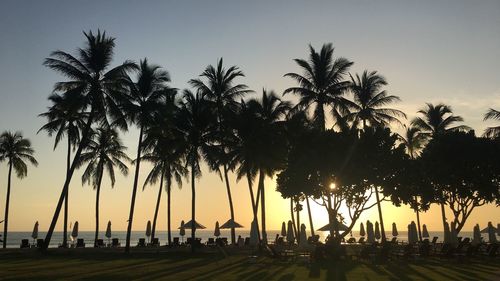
{"x":429,"y":51}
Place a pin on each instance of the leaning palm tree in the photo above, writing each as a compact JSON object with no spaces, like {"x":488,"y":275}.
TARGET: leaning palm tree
{"x":492,"y":132}
{"x":220,"y":89}
{"x":65,"y":118}
{"x":16,"y":150}
{"x":368,"y":105}
{"x":104,"y":151}
{"x":435,"y":120}
{"x":271,"y":142}
{"x":99,"y":87}
{"x":195,"y":121}
{"x":164,"y":149}
{"x":141,"y":106}
{"x":322,"y":84}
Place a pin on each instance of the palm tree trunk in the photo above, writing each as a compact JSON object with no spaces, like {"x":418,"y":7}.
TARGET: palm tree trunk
{"x":254,"y":204}
{"x":382,"y":229}
{"x":157,"y":208}
{"x":193,"y":209}
{"x":7,"y":201}
{"x":65,"y":230}
{"x":294,"y":227}
{"x":418,"y":220}
{"x":64,"y":192}
{"x":319,"y":117}
{"x":226,"y":179}
{"x":263,"y":206}
{"x":98,"y":191}
{"x":297,"y":229}
{"x":134,"y":192}
{"x":310,"y":216}
{"x":169,"y":232}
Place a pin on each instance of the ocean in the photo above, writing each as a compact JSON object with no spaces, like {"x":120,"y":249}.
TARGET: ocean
{"x":14,"y":238}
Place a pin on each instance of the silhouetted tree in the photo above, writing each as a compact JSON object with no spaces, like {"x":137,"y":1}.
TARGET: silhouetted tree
{"x":465,"y":169}
{"x":322,"y":84}
{"x":65,"y":118}
{"x":140,"y":106}
{"x":16,"y":150}
{"x":220,"y":89}
{"x":492,"y":132}
{"x":99,"y":88}
{"x":104,"y":151}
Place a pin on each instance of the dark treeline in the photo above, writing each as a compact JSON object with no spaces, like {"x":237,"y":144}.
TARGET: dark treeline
{"x":356,"y":161}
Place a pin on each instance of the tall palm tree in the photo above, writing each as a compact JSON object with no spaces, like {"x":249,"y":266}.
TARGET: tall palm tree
{"x":435,"y":120}
{"x":369,"y":101}
{"x":65,"y":118}
{"x":220,"y":89}
{"x":16,"y":150}
{"x":492,"y":132}
{"x":99,"y":87}
{"x":195,"y":120}
{"x":269,"y":111}
{"x":322,"y":84}
{"x":141,"y":106}
{"x":104,"y":151}
{"x":164,"y":148}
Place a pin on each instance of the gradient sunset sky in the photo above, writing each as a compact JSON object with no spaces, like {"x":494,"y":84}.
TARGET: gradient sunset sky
{"x":429,"y":51}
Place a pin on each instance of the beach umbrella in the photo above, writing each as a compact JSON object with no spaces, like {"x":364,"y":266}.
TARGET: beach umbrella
{"x":254,"y":235}
{"x":74,"y":233}
{"x":328,"y":227}
{"x":492,"y":238}
{"x":377,"y":231}
{"x":362,"y":230}
{"x":370,"y":235}
{"x":217,"y":229}
{"x":283,"y":229}
{"x":34,"y":234}
{"x":414,"y":233}
{"x":425,"y":233}
{"x":182,"y":231}
{"x":290,"y":237}
{"x":230,"y":224}
{"x":196,"y":225}
{"x":303,"y":236}
{"x":447,"y":234}
{"x":394,"y":230}
{"x":476,"y":239}
{"x":108,"y":231}
{"x":148,"y":230}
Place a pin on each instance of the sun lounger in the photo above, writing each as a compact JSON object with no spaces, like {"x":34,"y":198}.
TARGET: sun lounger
{"x":155,"y":242}
{"x":176,"y":242}
{"x":394,"y":240}
{"x":351,"y":240}
{"x":100,"y":243}
{"x":80,"y":243}
{"x":25,"y":243}
{"x":211,"y":242}
{"x":115,"y":242}
{"x":142,"y":242}
{"x":361,"y":240}
{"x":39,"y":243}
{"x":247,"y":241}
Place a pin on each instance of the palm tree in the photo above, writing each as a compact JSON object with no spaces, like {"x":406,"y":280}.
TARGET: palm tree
{"x":435,"y":120}
{"x":369,"y":99}
{"x":414,"y":142}
{"x":220,"y":89}
{"x":104,"y":151}
{"x":271,"y":141}
{"x":16,"y":150}
{"x":322,"y":84}
{"x":492,"y":132}
{"x":195,"y":120}
{"x":164,"y":148}
{"x":141,"y":106}
{"x":99,"y":88}
{"x":65,"y":118}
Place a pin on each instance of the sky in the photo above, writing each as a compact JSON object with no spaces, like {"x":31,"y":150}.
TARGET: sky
{"x":429,"y":51}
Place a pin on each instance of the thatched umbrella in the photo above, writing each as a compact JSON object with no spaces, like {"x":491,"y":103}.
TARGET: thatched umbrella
{"x":283,"y":229}
{"x":217,"y":230}
{"x":414,"y":233}
{"x":370,"y":235}
{"x":290,"y":237}
{"x":148,"y":230}
{"x":377,"y":231}
{"x":394,"y":230}
{"x":425,"y":233}
{"x":492,"y":237}
{"x":34,"y":234}
{"x":477,"y":235}
{"x":182,"y":230}
{"x":362,"y":230}
{"x":108,"y":232}
{"x":74,"y":233}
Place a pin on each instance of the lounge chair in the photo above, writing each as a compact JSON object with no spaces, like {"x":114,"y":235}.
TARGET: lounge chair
{"x":115,"y":242}
{"x":361,"y":240}
{"x":176,"y":241}
{"x":142,"y":242}
{"x":491,"y":250}
{"x":224,"y":240}
{"x":211,"y":242}
{"x":247,"y":241}
{"x":80,"y":243}
{"x":155,"y":242}
{"x":351,"y":240}
{"x":25,"y":243}
{"x":394,"y":240}
{"x":100,"y":243}
{"x":40,"y":243}
{"x":280,"y":241}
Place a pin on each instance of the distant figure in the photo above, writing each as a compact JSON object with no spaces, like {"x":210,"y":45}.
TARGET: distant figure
{"x":241,"y":241}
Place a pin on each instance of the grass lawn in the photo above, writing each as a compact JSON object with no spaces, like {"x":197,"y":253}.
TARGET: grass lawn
{"x":214,"y":266}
